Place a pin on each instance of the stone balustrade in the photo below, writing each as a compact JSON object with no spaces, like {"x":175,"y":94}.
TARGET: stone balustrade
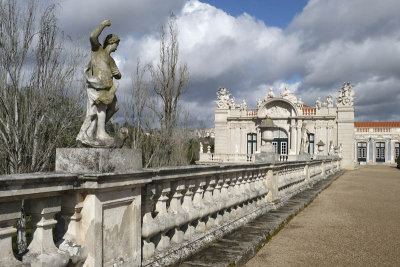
{"x":151,"y":217}
{"x":228,"y":158}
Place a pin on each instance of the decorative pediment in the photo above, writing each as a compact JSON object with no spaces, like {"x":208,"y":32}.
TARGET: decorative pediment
{"x":277,"y":109}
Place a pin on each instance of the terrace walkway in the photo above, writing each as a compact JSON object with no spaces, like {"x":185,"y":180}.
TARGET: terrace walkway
{"x":354,"y":222}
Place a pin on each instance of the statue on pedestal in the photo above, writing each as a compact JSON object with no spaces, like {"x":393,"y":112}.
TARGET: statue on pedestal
{"x":101,"y":102}
{"x":304,"y":140}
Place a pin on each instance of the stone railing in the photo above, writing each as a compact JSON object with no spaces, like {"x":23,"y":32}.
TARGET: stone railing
{"x":226,"y":158}
{"x":309,"y":111}
{"x":151,"y":217}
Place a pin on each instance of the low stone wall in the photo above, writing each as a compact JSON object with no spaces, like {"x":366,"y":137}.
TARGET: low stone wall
{"x":151,"y":217}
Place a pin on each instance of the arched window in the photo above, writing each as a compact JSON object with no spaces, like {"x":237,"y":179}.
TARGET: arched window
{"x":280,"y":141}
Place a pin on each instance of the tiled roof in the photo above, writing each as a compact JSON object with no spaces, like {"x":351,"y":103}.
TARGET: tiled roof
{"x":372,"y":124}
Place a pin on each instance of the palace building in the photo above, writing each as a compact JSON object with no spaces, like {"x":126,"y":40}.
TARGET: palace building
{"x":330,"y":130}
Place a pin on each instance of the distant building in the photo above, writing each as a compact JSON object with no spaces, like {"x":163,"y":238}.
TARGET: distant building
{"x":377,"y":142}
{"x":329,"y":129}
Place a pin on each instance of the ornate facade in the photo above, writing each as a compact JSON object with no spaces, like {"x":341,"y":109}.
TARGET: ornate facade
{"x":330,"y":129}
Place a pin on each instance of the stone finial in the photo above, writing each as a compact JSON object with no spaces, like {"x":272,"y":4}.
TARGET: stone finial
{"x":346,"y":95}
{"x":208,"y":149}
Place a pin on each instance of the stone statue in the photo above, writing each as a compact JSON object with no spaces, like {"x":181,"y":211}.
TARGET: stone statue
{"x":346,"y":95}
{"x":270,"y":93}
{"x":243,"y":105}
{"x":259,"y":103}
{"x":329,"y":101}
{"x":331,"y":149}
{"x":318,"y":103}
{"x":288,"y":95}
{"x":101,"y":102}
{"x":201,"y":147}
{"x":304,"y":140}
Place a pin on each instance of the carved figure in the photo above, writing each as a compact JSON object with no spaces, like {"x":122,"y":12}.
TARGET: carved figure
{"x":243,"y":105}
{"x":331,"y":149}
{"x":270,"y":93}
{"x":101,"y":102}
{"x":304,"y":140}
{"x":288,"y":95}
{"x":329,"y":101}
{"x":346,"y":95}
{"x":318,"y":103}
{"x":201,"y":147}
{"x":259,"y":103}
{"x":299,"y":103}
{"x":222,"y":98}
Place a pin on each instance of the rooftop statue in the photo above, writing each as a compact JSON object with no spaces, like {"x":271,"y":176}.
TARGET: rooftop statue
{"x":288,"y":95}
{"x":270,"y":94}
{"x":346,"y":95}
{"x":304,"y":140}
{"x":223,"y":99}
{"x":318,"y":103}
{"x":329,"y":100}
{"x":101,"y":102}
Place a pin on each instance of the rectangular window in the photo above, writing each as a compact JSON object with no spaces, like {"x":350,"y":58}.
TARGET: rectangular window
{"x":362,"y":151}
{"x":396,"y":151}
{"x":284,"y":148}
{"x":380,"y":152}
{"x":275,"y":144}
{"x":251,"y":143}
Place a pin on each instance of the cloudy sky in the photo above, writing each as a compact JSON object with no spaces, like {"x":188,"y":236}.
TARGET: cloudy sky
{"x":312,"y":47}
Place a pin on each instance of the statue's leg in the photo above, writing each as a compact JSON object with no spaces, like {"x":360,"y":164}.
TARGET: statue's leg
{"x":101,"y":122}
{"x":112,"y":109}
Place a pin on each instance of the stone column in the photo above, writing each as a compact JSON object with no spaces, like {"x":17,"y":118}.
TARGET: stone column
{"x":299,"y":124}
{"x":293,"y":136}
{"x":9,"y":214}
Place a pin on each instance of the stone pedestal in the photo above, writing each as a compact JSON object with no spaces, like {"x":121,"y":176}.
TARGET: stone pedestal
{"x":266,"y":157}
{"x":98,"y":160}
{"x":303,"y":157}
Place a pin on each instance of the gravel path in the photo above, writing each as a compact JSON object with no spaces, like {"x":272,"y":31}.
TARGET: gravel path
{"x":354,"y":222}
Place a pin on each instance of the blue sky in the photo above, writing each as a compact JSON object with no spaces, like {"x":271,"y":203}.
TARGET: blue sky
{"x":278,"y":13}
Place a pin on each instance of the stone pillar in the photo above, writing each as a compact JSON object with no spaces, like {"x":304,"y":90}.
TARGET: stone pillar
{"x":299,"y":124}
{"x":293,"y":136}
{"x":222,"y":136}
{"x":345,"y":126}
{"x":42,"y":250}
{"x":9,"y":214}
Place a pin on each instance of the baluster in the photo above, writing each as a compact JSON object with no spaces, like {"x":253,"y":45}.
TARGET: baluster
{"x":72,"y":205}
{"x":162,"y":218}
{"x":9,"y":214}
{"x":42,"y":251}
{"x":217,"y":198}
{"x":209,"y":203}
{"x":199,"y":205}
{"x":177,"y":212}
{"x":187,"y":205}
{"x":149,"y":226}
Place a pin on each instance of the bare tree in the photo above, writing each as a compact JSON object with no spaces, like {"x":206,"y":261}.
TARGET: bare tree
{"x":169,"y":80}
{"x":37,"y":108}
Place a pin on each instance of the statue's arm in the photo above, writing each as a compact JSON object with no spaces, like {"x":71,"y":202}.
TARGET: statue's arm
{"x":94,"y":36}
{"x":114,"y":70}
